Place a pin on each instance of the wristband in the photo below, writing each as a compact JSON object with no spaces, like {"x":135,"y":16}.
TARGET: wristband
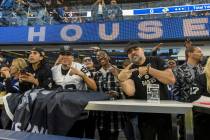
{"x":148,"y":67}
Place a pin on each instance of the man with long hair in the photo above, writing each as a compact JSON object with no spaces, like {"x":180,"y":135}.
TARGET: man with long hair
{"x":38,"y":73}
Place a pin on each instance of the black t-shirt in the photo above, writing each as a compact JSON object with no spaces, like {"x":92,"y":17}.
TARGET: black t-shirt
{"x":44,"y":76}
{"x":141,"y":82}
{"x":201,"y":81}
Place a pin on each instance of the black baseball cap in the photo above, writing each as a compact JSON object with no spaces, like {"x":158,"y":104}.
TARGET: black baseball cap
{"x":131,"y":46}
{"x":66,"y":50}
{"x":39,"y":50}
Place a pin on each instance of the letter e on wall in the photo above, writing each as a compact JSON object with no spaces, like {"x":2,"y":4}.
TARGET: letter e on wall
{"x":195,"y":27}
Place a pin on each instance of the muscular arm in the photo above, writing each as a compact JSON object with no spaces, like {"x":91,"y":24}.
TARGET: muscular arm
{"x":128,"y":87}
{"x":164,"y":76}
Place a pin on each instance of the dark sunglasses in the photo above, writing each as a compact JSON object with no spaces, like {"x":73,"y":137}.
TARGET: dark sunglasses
{"x":65,"y":53}
{"x":87,"y":60}
{"x":101,"y":58}
{"x":171,"y":63}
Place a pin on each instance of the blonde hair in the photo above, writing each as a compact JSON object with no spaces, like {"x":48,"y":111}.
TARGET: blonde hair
{"x":207,"y":73}
{"x":19,"y":63}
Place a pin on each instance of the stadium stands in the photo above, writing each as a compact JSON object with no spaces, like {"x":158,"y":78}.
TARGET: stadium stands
{"x":35,"y":12}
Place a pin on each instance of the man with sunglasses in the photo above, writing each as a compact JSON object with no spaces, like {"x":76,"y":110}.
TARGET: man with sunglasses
{"x":171,"y":63}
{"x":90,"y":123}
{"x":88,"y":62}
{"x":137,"y":79}
{"x":108,"y":123}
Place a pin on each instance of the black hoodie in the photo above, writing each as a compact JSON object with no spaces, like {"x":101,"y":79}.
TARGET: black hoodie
{"x":44,"y":76}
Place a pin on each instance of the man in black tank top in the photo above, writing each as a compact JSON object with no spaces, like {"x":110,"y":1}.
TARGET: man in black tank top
{"x":135,"y":80}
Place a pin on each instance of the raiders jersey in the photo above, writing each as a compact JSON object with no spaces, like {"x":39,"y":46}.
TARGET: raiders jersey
{"x":70,"y":81}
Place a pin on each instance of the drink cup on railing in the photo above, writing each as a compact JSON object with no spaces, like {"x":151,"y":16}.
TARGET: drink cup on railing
{"x":153,"y":93}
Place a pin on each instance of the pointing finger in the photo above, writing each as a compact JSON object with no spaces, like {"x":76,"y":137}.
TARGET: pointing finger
{"x":129,"y":66}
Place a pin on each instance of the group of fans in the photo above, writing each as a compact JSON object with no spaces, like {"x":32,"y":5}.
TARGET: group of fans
{"x":35,"y":12}
{"x":187,"y":83}
{"x":32,"y":12}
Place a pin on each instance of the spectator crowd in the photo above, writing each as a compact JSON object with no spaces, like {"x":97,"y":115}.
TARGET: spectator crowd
{"x":34,"y":12}
{"x":132,"y":80}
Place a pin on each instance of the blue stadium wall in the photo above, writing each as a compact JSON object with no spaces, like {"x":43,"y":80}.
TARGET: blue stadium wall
{"x":128,"y":30}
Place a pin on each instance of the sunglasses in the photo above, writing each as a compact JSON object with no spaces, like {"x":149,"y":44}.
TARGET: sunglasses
{"x":101,"y":58}
{"x":171,"y":63}
{"x":65,"y":53}
{"x":87,"y":60}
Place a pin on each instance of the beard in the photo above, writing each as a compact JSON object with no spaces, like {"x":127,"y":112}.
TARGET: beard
{"x":135,"y":59}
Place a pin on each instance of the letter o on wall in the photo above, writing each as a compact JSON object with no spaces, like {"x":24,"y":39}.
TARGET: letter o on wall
{"x":65,"y":29}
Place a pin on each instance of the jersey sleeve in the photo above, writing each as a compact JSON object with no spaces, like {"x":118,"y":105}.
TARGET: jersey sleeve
{"x":85,"y":70}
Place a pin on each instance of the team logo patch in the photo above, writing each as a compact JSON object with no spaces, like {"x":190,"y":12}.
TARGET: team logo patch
{"x":146,"y":76}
